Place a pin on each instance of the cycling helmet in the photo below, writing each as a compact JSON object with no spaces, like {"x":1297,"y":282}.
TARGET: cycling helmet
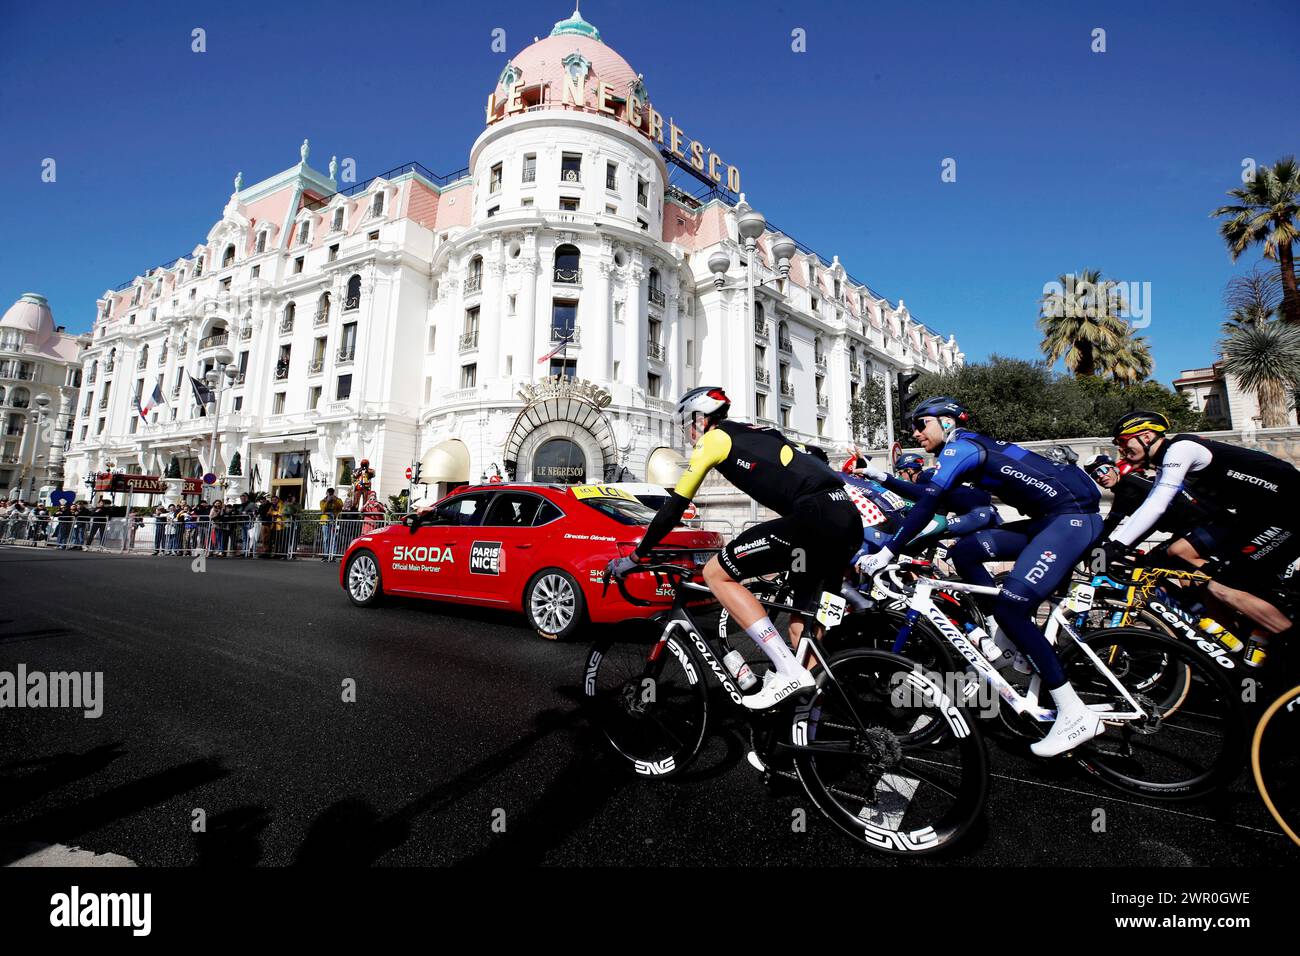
{"x":942,"y":406}
{"x":1140,"y":421}
{"x":708,"y":402}
{"x":1061,"y":454}
{"x":909,"y":463}
{"x":1100,"y":461}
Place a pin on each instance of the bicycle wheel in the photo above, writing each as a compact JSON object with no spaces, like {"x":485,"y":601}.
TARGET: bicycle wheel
{"x":889,"y":786}
{"x":652,"y":712}
{"x":1275,"y":761}
{"x":1171,"y":755}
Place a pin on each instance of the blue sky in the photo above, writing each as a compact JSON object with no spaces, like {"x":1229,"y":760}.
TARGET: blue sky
{"x":1065,"y":158}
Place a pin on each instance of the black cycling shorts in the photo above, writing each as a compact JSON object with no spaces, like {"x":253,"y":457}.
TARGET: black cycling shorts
{"x":1256,"y":555}
{"x":815,"y":542}
{"x":1207,"y":539}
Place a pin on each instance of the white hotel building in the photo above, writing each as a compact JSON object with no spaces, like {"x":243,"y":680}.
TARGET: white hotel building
{"x":402,"y":319}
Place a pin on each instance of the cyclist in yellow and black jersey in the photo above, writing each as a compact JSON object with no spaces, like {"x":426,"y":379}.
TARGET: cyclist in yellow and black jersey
{"x":815,"y":538}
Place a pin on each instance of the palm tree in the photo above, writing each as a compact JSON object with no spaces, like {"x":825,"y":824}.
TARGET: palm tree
{"x":1246,"y":315}
{"x":1265,"y":358}
{"x":1268,"y":212}
{"x":1129,"y":362}
{"x":1082,"y":321}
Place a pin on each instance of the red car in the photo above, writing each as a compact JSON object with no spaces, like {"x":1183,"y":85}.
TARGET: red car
{"x":539,"y":549}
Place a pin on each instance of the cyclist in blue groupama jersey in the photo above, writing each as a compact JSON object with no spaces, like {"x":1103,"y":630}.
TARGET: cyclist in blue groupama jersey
{"x":1061,"y":503}
{"x":969,"y":509}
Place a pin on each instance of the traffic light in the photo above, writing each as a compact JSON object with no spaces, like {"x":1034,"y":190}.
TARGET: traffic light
{"x":415,"y":474}
{"x":906,"y":397}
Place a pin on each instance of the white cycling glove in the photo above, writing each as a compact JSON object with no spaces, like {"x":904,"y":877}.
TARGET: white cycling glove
{"x":874,"y":473}
{"x":869,"y":564}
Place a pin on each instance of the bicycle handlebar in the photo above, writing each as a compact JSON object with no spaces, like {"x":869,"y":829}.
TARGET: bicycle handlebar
{"x":658,"y":569}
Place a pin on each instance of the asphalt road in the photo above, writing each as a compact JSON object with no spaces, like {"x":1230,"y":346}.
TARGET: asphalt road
{"x":223,"y":692}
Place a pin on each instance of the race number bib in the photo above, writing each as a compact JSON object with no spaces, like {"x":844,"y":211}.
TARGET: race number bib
{"x":831,"y":611}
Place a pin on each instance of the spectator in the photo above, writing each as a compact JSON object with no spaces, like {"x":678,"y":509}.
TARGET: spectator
{"x":171,"y":531}
{"x":5,"y":507}
{"x":98,"y":516}
{"x":855,"y":464}
{"x":247,"y":524}
{"x":330,"y":507}
{"x":80,"y":521}
{"x":63,"y":525}
{"x":134,"y":521}
{"x":374,"y":514}
{"x":159,"y":528}
{"x":268,"y":512}
{"x":40,"y":524}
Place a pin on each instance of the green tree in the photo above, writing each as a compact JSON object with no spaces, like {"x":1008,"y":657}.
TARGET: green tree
{"x":867,"y":412}
{"x":236,"y":465}
{"x":1130,"y":361}
{"x":345,"y":479}
{"x":173,"y":469}
{"x":1267,"y":213}
{"x":1265,"y":359}
{"x":1081,"y":323}
{"x":1019,"y":400}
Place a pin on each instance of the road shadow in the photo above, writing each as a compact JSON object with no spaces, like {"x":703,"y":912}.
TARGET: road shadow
{"x":55,"y":771}
{"x":232,"y":838}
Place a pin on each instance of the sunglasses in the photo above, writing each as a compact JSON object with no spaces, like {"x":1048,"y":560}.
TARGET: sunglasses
{"x":919,"y":424}
{"x":1103,"y":470}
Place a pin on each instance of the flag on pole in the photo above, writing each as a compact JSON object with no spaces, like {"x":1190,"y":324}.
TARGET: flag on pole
{"x":152,"y":400}
{"x":202,"y":394}
{"x":563,"y":344}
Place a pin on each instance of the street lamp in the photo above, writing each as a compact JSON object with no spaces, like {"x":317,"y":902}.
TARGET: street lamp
{"x":37,"y":420}
{"x":222,"y":359}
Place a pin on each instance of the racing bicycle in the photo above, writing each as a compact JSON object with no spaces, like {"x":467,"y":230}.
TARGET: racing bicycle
{"x":1275,"y":761}
{"x":879,"y":748}
{"x":1175,"y":726}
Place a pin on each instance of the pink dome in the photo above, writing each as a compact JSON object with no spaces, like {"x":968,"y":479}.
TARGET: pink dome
{"x":542,"y":67}
{"x":30,"y":314}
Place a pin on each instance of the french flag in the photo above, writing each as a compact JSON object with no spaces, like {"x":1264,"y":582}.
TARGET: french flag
{"x":152,"y":401}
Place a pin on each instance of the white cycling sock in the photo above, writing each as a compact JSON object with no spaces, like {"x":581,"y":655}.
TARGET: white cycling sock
{"x":764,"y":633}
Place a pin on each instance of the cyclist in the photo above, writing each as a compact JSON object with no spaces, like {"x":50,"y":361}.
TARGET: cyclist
{"x":1252,"y":495}
{"x":969,"y":509}
{"x":1063,"y":523}
{"x":1188,"y":524}
{"x":815,"y":537}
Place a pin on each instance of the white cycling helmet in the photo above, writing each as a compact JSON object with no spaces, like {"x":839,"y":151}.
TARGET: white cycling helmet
{"x":708,"y":402}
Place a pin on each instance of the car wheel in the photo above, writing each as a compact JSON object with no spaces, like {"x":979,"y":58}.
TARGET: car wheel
{"x":362,"y":580}
{"x":554,"y":604}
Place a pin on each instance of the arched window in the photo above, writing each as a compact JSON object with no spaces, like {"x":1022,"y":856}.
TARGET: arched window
{"x":94,"y":370}
{"x":2,"y":394}
{"x":198,"y":267}
{"x":338,"y":219}
{"x":377,"y":205}
{"x":261,"y":241}
{"x":568,"y":261}
{"x":474,"y":276}
{"x":760,"y":320}
{"x":20,"y":398}
{"x":290,"y":313}
{"x":144,"y":357}
{"x":818,"y":355}
{"x":783,"y":337}
{"x":228,"y":257}
{"x":853,"y":357}
{"x":323,"y":308}
{"x":352,"y":300}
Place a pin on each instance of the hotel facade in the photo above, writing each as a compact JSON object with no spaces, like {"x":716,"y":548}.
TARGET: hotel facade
{"x":536,"y":313}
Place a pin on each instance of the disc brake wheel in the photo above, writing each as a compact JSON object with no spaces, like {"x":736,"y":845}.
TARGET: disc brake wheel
{"x":1176,"y":753}
{"x":653,"y":716}
{"x":891,"y":783}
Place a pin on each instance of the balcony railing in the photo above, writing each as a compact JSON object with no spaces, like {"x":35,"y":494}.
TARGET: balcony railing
{"x":20,"y":403}
{"x":212,"y":341}
{"x":762,"y":376}
{"x":530,"y":174}
{"x":315,"y":366}
{"x":855,"y":371}
{"x":657,"y":297}
{"x":655,"y":351}
{"x":787,"y":389}
{"x":611,"y":182}
{"x":473,"y":283}
{"x":322,"y":318}
{"x":142,"y":362}
{"x":176,"y":390}
{"x":239,"y":380}
{"x":345,"y":355}
{"x":244,"y":334}
{"x":820,"y":362}
{"x":494,"y":186}
{"x":352,"y":303}
{"x":91,"y":379}
{"x":469,"y":341}
{"x":14,"y":430}
{"x":559,"y":334}
{"x":785,"y":345}
{"x":821,"y":401}
{"x":103,"y":403}
{"x":568,"y":276}
{"x":108,"y":367}
{"x":571,"y":175}
{"x":180,"y":350}
{"x":281,"y":371}
{"x":761,"y":328}
{"x":286,"y":324}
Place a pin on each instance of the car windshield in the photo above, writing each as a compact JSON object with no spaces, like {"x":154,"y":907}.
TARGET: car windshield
{"x":621,"y":510}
